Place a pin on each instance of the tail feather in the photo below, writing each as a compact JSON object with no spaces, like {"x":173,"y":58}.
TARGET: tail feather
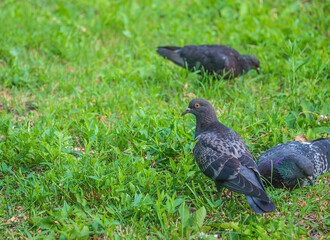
{"x":260,"y":206}
{"x":247,"y":186}
{"x":319,"y":139}
{"x":173,"y":48}
{"x":171,"y":54}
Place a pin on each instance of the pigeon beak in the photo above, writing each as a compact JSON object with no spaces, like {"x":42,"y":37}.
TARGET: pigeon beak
{"x":258,"y":70}
{"x":310,"y":180}
{"x":186,"y":111}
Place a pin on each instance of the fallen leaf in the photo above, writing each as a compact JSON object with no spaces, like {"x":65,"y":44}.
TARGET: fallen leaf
{"x":191,"y":95}
{"x":301,"y":138}
{"x":185,"y":88}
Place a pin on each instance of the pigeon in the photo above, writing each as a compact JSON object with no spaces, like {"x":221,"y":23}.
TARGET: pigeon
{"x":293,"y":164}
{"x":219,"y":59}
{"x":222,"y":155}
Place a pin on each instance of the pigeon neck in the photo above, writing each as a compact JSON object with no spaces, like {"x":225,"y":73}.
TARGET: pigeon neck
{"x":204,"y":120}
{"x":245,"y":63}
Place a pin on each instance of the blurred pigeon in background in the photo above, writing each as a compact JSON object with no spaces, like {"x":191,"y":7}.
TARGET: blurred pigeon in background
{"x":219,"y":59}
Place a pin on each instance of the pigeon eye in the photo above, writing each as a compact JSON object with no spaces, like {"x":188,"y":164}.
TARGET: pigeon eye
{"x":197,"y":105}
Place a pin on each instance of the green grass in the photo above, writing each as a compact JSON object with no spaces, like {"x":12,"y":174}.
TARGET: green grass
{"x":93,"y":144}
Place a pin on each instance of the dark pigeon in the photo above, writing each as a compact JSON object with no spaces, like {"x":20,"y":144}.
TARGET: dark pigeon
{"x":219,"y":59}
{"x":290,"y":164}
{"x":221,"y":154}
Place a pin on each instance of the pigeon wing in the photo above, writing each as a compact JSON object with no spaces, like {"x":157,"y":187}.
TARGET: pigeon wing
{"x":228,"y":166}
{"x":210,"y":57}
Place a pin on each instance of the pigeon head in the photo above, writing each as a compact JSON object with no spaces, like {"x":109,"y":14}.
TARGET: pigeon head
{"x":203,"y":111}
{"x":200,"y":108}
{"x":297,"y":167}
{"x":251,"y":62}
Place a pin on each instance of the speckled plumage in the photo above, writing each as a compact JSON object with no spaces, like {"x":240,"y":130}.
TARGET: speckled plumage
{"x":222,"y":155}
{"x":290,"y":164}
{"x":218,"y":59}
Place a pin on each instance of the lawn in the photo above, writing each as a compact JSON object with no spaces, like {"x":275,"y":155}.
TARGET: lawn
{"x":92,"y":141}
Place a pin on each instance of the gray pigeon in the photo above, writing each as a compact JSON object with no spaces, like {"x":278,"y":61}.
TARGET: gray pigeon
{"x":219,"y":59}
{"x":291,"y":164}
{"x":221,"y":154}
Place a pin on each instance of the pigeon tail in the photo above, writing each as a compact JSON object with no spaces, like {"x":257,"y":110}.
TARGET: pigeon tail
{"x":171,"y":54}
{"x":319,"y":139}
{"x":323,"y":144}
{"x":172,"y":48}
{"x":260,"y":206}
